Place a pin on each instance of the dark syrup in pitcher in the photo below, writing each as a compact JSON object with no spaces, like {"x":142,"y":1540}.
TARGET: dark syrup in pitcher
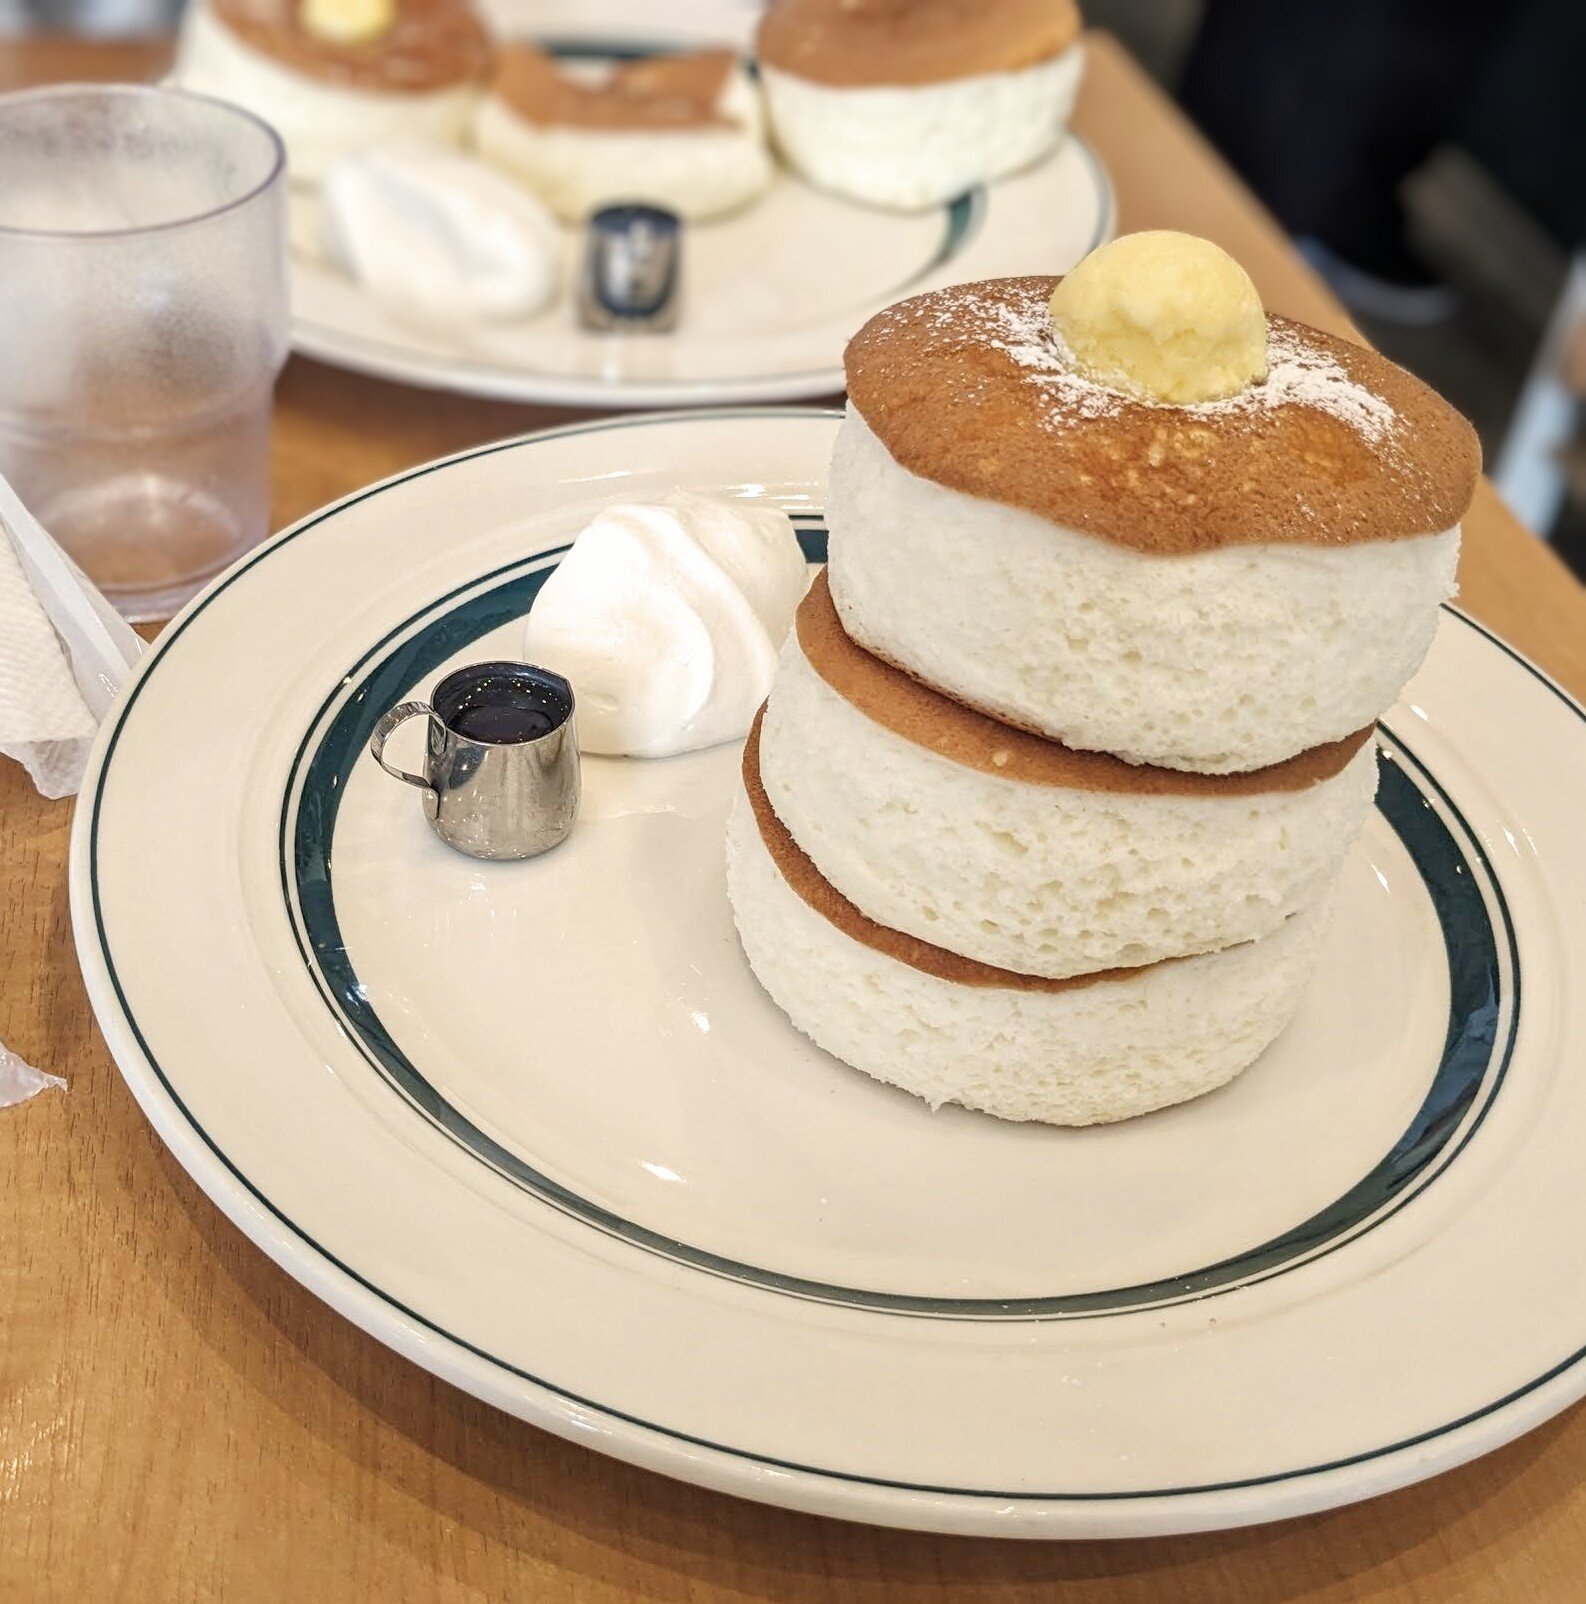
{"x":502,"y":710}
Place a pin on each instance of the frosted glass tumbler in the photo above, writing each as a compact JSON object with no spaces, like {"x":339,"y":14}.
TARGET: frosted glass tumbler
{"x":143,"y":320}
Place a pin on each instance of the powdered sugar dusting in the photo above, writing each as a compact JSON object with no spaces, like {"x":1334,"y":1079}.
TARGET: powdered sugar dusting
{"x":1299,"y":374}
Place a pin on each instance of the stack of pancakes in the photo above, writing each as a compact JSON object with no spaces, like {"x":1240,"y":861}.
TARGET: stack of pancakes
{"x":1046,"y":808}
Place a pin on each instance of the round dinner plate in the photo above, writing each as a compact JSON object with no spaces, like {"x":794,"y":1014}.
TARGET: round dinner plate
{"x":770,"y":295}
{"x":536,"y":1127}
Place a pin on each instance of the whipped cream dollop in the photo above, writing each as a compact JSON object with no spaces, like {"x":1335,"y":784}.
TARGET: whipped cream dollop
{"x":439,"y":239}
{"x":667,"y":616}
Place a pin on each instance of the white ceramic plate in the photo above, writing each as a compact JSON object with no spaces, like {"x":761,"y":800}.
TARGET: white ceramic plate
{"x":770,"y":295}
{"x":536,"y":1127}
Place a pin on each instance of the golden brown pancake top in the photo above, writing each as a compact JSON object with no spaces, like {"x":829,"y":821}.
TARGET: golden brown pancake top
{"x":812,"y":887}
{"x":658,"y":94}
{"x":433,"y":44}
{"x":852,"y":43}
{"x":900,"y":703}
{"x":969,"y":387}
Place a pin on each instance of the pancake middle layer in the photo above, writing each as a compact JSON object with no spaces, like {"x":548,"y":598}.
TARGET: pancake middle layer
{"x":943,"y":824}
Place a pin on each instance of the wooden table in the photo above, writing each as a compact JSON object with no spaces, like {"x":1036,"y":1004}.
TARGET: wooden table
{"x":180,"y":1421}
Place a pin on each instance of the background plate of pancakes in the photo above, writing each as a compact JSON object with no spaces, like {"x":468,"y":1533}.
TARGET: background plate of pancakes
{"x":536,"y":1127}
{"x":771,"y":293}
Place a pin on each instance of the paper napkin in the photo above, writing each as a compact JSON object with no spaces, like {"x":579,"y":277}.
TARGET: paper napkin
{"x":63,"y":654}
{"x":44,"y":722}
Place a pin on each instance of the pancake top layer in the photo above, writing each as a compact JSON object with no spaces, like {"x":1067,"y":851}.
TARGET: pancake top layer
{"x":969,"y":387}
{"x":658,"y":93}
{"x":433,"y":44}
{"x":794,"y":865}
{"x":898,"y":702}
{"x":852,"y":43}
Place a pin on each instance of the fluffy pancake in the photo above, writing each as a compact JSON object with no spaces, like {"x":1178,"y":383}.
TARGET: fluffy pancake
{"x":1015,"y":868}
{"x":433,"y":44}
{"x":1217,"y":661}
{"x":908,"y":707}
{"x":796,"y":867}
{"x":656,"y":93}
{"x":968,"y":388}
{"x":849,"y":43}
{"x":682,"y":132}
{"x":1064,"y":1052}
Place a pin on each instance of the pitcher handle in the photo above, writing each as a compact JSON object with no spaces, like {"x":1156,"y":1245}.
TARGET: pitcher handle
{"x":383,"y":732}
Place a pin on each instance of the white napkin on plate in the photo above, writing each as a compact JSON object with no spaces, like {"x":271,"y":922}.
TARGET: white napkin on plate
{"x":64,"y":651}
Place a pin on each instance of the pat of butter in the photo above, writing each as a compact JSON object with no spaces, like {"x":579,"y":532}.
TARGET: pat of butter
{"x":348,"y":22}
{"x":1164,"y":316}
